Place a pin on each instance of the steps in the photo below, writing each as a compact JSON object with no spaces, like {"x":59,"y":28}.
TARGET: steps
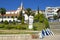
{"x":55,"y":27}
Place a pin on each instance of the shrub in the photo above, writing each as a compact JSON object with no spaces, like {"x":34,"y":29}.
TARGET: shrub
{"x":22,"y":21}
{"x":21,"y":27}
{"x":46,"y":23}
{"x":14,"y":22}
{"x":18,"y":27}
{"x":34,"y":28}
{"x":2,"y":26}
{"x":39,"y":18}
{"x":6,"y":22}
{"x":55,"y":17}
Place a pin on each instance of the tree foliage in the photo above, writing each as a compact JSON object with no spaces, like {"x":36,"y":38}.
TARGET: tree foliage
{"x":2,"y":12}
{"x":41,"y":19}
{"x":21,"y":17}
{"x":46,"y":23}
{"x":6,"y":22}
{"x":55,"y":17}
{"x":28,"y":11}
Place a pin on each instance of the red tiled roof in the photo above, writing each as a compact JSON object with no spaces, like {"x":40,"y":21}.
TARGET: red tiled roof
{"x":11,"y":15}
{"x":11,"y":11}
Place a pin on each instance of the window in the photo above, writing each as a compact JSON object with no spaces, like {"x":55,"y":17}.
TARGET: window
{"x":49,"y":14}
{"x":50,"y":9}
{"x":4,"y":16}
{"x":10,"y":21}
{"x":8,"y":17}
{"x":12,"y":16}
{"x":15,"y":16}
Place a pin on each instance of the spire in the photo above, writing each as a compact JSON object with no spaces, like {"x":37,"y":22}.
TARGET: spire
{"x":21,"y":5}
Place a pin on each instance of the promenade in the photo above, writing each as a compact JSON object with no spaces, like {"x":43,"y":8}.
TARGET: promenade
{"x":26,"y":37}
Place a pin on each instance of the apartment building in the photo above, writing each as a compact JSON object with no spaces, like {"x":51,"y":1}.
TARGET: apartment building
{"x":51,"y":11}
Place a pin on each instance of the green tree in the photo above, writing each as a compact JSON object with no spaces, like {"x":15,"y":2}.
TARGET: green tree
{"x":28,"y":11}
{"x":55,"y":17}
{"x":21,"y":17}
{"x":36,"y":18}
{"x":46,"y":23}
{"x":39,"y":18}
{"x":6,"y":22}
{"x":2,"y":11}
{"x":42,"y":19}
{"x":38,"y":13}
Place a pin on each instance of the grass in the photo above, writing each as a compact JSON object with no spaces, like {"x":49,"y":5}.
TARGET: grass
{"x":17,"y":32}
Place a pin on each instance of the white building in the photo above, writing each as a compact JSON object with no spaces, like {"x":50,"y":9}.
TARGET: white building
{"x":12,"y":15}
{"x":50,"y":11}
{"x":40,"y":11}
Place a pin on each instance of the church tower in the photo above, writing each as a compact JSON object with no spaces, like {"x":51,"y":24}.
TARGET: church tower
{"x":20,"y":8}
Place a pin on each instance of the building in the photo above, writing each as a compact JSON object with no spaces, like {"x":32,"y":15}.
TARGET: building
{"x":40,"y":11}
{"x":51,"y":11}
{"x":58,"y":13}
{"x":12,"y":15}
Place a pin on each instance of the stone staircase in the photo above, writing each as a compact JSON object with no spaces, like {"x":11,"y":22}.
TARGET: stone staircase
{"x":55,"y":27}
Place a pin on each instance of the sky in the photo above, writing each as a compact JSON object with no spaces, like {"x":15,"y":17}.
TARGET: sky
{"x":33,"y":4}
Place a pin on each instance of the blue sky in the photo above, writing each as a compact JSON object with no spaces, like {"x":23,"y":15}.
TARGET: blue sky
{"x":33,"y":4}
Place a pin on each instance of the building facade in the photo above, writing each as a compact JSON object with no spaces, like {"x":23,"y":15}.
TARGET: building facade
{"x":12,"y":15}
{"x":51,"y":11}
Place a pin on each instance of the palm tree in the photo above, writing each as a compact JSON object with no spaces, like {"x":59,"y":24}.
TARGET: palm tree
{"x":28,"y":11}
{"x":2,"y":12}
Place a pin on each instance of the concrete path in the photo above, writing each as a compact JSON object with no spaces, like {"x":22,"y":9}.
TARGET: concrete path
{"x":27,"y":37}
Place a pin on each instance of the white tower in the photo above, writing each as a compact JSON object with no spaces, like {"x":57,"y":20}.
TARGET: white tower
{"x":21,"y":7}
